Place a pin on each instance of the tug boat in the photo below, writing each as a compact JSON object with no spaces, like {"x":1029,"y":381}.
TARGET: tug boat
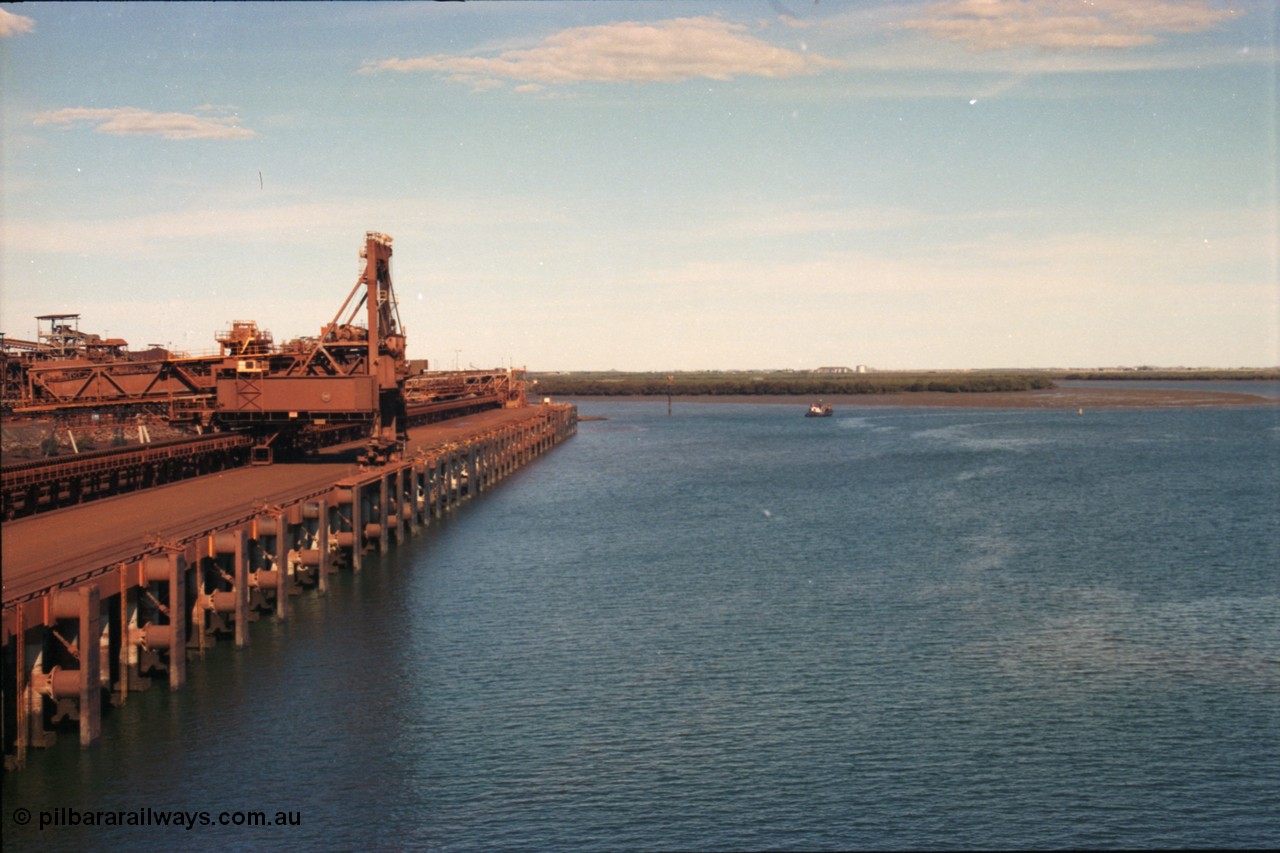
{"x":819,"y":410}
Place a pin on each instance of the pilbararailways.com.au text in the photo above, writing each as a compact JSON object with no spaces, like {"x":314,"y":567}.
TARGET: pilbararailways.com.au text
{"x":69,"y":817}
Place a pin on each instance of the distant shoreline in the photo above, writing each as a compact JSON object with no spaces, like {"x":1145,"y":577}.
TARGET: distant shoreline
{"x":1048,"y":398}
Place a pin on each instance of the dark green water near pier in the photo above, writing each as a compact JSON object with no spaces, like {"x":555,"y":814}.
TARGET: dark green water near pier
{"x":735,"y":628}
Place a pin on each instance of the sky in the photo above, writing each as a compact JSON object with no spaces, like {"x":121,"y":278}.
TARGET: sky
{"x":782,"y":184}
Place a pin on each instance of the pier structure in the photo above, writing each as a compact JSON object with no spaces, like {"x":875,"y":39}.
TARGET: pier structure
{"x":122,"y":566}
{"x":250,"y":402}
{"x":104,"y":599}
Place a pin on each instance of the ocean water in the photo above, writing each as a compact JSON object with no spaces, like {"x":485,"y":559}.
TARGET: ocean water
{"x":737,"y":628}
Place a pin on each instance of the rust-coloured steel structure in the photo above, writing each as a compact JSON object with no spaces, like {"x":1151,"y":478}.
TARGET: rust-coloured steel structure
{"x":177,"y":559}
{"x":154,"y":579}
{"x":351,"y":373}
{"x":354,"y":372}
{"x":352,"y":379}
{"x":39,"y":485}
{"x":45,"y":484}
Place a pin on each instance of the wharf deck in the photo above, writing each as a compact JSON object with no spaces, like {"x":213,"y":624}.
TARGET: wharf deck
{"x":43,"y":551}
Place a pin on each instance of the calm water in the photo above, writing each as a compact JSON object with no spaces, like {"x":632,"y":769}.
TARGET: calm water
{"x":1263,"y":387}
{"x":736,"y":628}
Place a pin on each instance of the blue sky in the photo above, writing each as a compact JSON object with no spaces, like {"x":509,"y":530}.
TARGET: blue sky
{"x":657,"y":186}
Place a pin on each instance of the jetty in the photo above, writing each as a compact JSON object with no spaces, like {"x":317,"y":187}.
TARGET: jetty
{"x":123,"y":566}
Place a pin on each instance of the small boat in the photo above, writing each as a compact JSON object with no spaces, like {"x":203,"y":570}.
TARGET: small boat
{"x":819,"y":410}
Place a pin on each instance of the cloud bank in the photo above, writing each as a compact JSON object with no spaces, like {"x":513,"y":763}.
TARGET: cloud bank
{"x":130,"y":121}
{"x":12,"y":25}
{"x":626,"y":52}
{"x":983,"y":25}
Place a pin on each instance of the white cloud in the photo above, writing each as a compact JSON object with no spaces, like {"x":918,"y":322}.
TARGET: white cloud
{"x":216,"y":108}
{"x":765,"y":223}
{"x":237,"y":219}
{"x":130,"y":121}
{"x":12,"y":25}
{"x":128,"y":235}
{"x":1051,"y":25}
{"x":1165,"y":257}
{"x":664,"y":51}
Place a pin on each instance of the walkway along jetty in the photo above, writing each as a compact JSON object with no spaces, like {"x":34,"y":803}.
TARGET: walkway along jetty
{"x":114,"y":582}
{"x":103,"y":598}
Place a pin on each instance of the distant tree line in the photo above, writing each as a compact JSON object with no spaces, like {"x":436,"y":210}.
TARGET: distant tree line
{"x":1149,"y":373}
{"x":796,"y":384}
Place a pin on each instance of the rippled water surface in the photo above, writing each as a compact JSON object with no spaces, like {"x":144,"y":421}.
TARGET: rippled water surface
{"x":737,"y":628}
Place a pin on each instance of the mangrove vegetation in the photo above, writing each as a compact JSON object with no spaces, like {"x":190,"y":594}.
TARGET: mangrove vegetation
{"x":619,"y":384}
